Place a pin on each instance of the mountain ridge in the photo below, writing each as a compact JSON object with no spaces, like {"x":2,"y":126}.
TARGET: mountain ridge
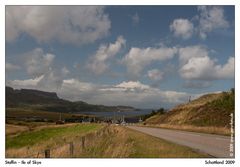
{"x":49,"y":101}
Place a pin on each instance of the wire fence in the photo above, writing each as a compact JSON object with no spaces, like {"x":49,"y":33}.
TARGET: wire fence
{"x":71,"y":149}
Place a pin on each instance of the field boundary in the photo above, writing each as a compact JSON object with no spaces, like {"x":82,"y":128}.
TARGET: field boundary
{"x":71,"y":149}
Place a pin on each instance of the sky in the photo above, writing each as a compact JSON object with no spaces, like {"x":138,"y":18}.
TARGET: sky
{"x":141,"y":56}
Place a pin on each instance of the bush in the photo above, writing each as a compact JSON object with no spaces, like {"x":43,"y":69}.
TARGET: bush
{"x":159,"y":111}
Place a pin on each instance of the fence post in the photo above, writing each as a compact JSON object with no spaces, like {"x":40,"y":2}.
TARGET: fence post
{"x":83,"y":142}
{"x":71,"y":148}
{"x":47,"y":153}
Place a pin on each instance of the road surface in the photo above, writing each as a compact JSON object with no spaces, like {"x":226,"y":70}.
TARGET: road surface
{"x":214,"y":145}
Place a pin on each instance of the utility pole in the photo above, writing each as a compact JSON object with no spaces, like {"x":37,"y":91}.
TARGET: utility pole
{"x":114,"y":117}
{"x":60,"y":117}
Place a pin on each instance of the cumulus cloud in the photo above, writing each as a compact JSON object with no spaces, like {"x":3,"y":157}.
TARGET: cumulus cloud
{"x":132,"y":86}
{"x":65,"y":71}
{"x":155,"y":74}
{"x":195,"y":63}
{"x":207,"y":20}
{"x":52,"y":80}
{"x":182,"y":28}
{"x":227,"y":70}
{"x":188,"y":52}
{"x":39,"y":66}
{"x":67,"y":24}
{"x":11,"y":67}
{"x":38,"y":62}
{"x":204,"y":68}
{"x":140,"y":95}
{"x":28,"y":83}
{"x":98,"y":63}
{"x":138,"y":58}
{"x":211,"y":18}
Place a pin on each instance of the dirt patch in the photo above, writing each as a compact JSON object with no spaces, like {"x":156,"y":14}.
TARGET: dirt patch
{"x":15,"y":129}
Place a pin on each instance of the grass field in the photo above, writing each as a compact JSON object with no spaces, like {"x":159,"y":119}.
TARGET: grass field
{"x":52,"y":133}
{"x":24,"y":113}
{"x":111,"y":142}
{"x":15,"y":129}
{"x":43,"y":137}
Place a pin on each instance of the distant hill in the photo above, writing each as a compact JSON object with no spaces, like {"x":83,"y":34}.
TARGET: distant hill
{"x":16,"y":97}
{"x":208,"y":110}
{"x":49,"y":101}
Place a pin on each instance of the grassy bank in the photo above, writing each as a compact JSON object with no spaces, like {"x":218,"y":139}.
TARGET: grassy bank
{"x":211,"y":129}
{"x":210,"y":113}
{"x":122,"y":142}
{"x":109,"y":142}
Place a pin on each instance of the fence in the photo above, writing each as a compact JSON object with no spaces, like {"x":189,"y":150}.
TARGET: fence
{"x":72,"y":149}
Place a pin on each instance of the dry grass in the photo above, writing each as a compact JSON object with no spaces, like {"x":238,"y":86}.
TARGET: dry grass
{"x":209,"y":129}
{"x":15,"y":129}
{"x":200,"y":101}
{"x":121,"y":142}
{"x":208,"y":114}
{"x":20,"y":126}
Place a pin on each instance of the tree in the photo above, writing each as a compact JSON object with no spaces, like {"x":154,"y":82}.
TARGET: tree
{"x":161,"y":111}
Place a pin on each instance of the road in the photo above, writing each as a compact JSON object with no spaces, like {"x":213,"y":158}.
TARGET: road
{"x":214,"y":145}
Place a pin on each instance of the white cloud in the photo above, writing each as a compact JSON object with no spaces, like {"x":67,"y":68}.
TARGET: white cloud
{"x":211,"y":18}
{"x":226,"y":70}
{"x":132,"y":86}
{"x":67,"y":24}
{"x":45,"y":77}
{"x":28,"y":83}
{"x":98,"y":63}
{"x":135,"y":18}
{"x":155,"y":74}
{"x":140,"y":95}
{"x":51,"y":81}
{"x":38,"y":62}
{"x":191,"y":51}
{"x":137,"y":59}
{"x":195,"y":63}
{"x":198,"y":68}
{"x":65,"y":71}
{"x":182,"y":28}
{"x":11,"y":67}
{"x":77,"y":85}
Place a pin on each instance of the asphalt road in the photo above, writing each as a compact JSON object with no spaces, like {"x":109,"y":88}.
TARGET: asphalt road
{"x":214,"y":145}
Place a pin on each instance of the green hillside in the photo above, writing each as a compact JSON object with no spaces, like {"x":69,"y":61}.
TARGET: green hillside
{"x":211,"y":110}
